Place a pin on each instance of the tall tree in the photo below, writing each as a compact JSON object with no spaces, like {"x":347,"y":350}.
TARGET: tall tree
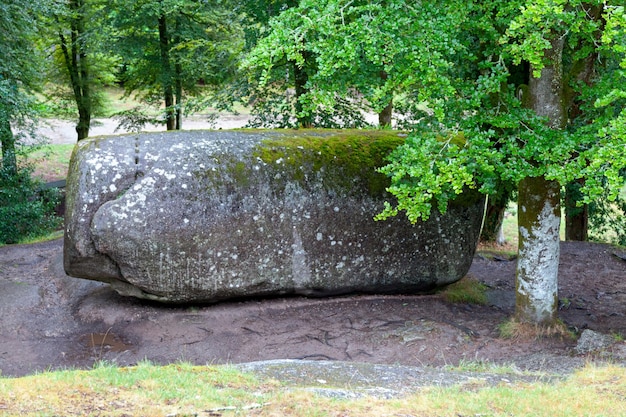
{"x":19,"y":75}
{"x":539,"y":211}
{"x":71,"y":26}
{"x":538,"y":152}
{"x":170,"y":46}
{"x":75,"y":35}
{"x":479,"y":125}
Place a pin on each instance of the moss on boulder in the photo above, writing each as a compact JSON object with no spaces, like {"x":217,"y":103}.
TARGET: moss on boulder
{"x":204,"y":216}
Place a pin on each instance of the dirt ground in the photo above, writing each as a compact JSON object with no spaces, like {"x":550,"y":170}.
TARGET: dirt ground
{"x":58,"y":131}
{"x":50,"y":321}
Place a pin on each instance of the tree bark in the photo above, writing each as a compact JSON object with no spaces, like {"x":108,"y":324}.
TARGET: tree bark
{"x":536,"y":298}
{"x":77,"y":65}
{"x":576,"y":218}
{"x":384,"y":117}
{"x":539,"y":199}
{"x":168,"y":91}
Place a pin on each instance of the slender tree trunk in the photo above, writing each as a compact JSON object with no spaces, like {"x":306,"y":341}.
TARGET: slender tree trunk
{"x":7,"y":141}
{"x":576,"y":218}
{"x":77,"y":65}
{"x":300,"y":79}
{"x":168,"y":91}
{"x":539,"y":206}
{"x":384,"y":117}
{"x":178,"y":90}
{"x":179,"y":98}
{"x":84,"y":113}
{"x":536,"y":298}
{"x":494,"y":216}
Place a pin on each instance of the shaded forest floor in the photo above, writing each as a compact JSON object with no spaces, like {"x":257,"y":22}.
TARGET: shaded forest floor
{"x":50,"y":320}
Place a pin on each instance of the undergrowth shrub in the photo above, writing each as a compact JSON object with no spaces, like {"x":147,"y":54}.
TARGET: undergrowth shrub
{"x":26,"y":209}
{"x":607,"y":221}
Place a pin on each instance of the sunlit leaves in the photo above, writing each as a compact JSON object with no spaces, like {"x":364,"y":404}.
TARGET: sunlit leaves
{"x":506,"y":141}
{"x":353,"y":42}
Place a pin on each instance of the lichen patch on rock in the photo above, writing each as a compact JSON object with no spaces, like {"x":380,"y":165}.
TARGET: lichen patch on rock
{"x":206,"y":216}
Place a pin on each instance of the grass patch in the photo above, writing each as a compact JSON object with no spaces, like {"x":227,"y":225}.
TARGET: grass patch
{"x":466,"y":291}
{"x":187,"y":390}
{"x":51,"y":161}
{"x":514,"y":329}
{"x":484,"y":367}
{"x":180,"y":389}
{"x":57,"y":234}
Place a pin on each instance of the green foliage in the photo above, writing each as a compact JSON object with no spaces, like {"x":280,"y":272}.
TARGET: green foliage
{"x":199,"y":45}
{"x":607,"y":220}
{"x":58,"y":101}
{"x":136,"y":118}
{"x":26,"y":210}
{"x":19,"y":76}
{"x":275,"y":108}
{"x":376,"y":48}
{"x":505,"y":141}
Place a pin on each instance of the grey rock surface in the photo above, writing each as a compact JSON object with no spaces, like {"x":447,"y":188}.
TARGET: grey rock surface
{"x":591,"y":341}
{"x":348,"y":380}
{"x":205,"y":216}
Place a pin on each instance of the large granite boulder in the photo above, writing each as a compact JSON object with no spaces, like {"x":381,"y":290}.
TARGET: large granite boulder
{"x":210,"y":215}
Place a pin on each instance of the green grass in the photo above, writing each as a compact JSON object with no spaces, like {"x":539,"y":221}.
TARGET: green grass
{"x":57,"y":234}
{"x":187,"y":390}
{"x":485,"y":367}
{"x":466,"y":291}
{"x":51,"y":161}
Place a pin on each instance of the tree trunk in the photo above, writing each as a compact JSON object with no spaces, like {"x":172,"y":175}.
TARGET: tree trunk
{"x":178,"y":73}
{"x":84,"y":121}
{"x":7,"y":141}
{"x":168,"y":91}
{"x":539,"y":214}
{"x":494,"y":216}
{"x":76,"y":62}
{"x":576,"y":218}
{"x":384,"y":117}
{"x":536,"y":298}
{"x":300,"y":79}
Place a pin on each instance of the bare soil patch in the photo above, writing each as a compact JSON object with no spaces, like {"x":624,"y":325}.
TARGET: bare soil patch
{"x":50,"y":321}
